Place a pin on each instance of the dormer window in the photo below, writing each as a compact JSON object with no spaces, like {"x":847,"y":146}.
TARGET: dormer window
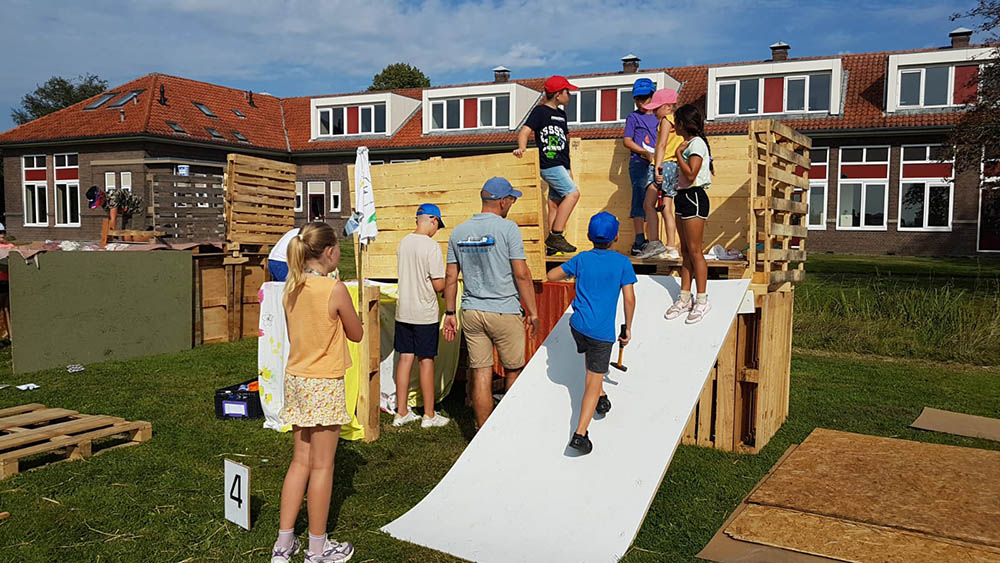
{"x":608,"y":99}
{"x":365,"y":114}
{"x":774,"y":88}
{"x":470,"y":113}
{"x":936,"y":79}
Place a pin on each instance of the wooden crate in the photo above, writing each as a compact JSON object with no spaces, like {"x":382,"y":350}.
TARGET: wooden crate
{"x":370,"y":388}
{"x":454,"y":185}
{"x":259,"y":202}
{"x":745,"y":400}
{"x":33,"y":429}
{"x":188,"y":208}
{"x":226,"y":305}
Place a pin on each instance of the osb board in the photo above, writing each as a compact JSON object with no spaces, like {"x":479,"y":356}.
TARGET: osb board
{"x":454,"y":185}
{"x":848,"y":541}
{"x":943,"y":491}
{"x":85,"y":307}
{"x":937,"y":420}
{"x":600,"y":169}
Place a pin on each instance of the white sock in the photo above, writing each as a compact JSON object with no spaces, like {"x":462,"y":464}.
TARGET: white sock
{"x":285,"y":539}
{"x":685,"y":296}
{"x":702,"y":298}
{"x":317,"y":543}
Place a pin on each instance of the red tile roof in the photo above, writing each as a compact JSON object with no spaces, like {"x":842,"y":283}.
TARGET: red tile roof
{"x":284,"y":124}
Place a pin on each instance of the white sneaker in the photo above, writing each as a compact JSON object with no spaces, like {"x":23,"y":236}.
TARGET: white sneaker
{"x":407,"y":418}
{"x":651,"y":249}
{"x":671,"y":254}
{"x":698,"y":312}
{"x":438,"y":421}
{"x":678,"y":308}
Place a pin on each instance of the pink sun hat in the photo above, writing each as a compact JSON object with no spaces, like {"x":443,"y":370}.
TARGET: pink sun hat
{"x":660,"y":97}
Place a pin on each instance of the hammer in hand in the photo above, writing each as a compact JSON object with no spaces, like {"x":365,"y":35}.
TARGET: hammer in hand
{"x":621,"y":351}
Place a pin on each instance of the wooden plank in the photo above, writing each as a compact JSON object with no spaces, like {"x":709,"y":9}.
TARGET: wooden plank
{"x":267,"y":210}
{"x":780,"y":230}
{"x":266,"y":223}
{"x":788,"y":255}
{"x":790,"y":134}
{"x":87,"y":422}
{"x":256,"y":189}
{"x":790,"y":156}
{"x":785,"y":276}
{"x":256,"y":162}
{"x":786,"y":177}
{"x":780,"y":204}
{"x":724,"y":388}
{"x":258,"y":199}
{"x":11,"y":411}
{"x":34,"y":417}
{"x":64,"y":441}
{"x":169,"y":212}
{"x":237,"y":227}
{"x":704,"y":410}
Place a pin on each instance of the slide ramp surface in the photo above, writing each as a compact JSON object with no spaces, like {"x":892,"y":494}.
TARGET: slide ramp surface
{"x":518,"y":493}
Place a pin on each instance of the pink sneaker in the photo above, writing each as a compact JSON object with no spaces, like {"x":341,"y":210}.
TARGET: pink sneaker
{"x":698,"y":312}
{"x":678,"y":308}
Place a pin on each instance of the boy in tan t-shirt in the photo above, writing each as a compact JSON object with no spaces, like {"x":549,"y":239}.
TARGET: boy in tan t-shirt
{"x":420,"y":269}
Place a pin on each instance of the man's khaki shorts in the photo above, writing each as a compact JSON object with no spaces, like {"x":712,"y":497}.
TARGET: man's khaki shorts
{"x":483,"y":330}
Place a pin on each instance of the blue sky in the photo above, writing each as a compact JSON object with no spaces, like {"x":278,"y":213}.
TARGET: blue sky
{"x":294,"y":47}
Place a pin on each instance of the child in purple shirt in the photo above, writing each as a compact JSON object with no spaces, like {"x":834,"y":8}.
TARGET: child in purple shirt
{"x":640,"y":140}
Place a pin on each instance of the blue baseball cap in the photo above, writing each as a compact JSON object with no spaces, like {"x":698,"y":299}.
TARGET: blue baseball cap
{"x":431,"y":209}
{"x":603,"y":227}
{"x":499,"y":188}
{"x":643,"y":87}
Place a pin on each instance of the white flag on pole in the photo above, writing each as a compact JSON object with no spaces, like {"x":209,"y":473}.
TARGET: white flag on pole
{"x":364,"y":197}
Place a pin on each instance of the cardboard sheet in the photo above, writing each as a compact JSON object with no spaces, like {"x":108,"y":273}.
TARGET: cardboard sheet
{"x":518,"y":493}
{"x":937,"y":420}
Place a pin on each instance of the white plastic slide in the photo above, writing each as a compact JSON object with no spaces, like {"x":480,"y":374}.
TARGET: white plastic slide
{"x":518,"y":493}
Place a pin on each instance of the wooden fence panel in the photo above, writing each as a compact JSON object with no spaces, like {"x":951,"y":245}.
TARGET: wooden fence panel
{"x":260,"y":200}
{"x":188,"y":208}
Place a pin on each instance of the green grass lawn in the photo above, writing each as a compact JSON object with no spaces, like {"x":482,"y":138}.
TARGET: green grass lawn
{"x":161,"y":501}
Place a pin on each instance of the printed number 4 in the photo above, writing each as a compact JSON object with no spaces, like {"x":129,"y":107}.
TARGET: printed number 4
{"x":234,"y":491}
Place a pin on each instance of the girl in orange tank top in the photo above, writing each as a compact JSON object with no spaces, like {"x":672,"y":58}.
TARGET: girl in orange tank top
{"x":321,"y":318}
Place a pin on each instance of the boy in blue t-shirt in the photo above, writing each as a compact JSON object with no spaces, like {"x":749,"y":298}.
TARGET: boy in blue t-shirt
{"x":600,"y":274}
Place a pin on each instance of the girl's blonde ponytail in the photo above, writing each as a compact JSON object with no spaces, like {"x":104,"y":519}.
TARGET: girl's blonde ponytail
{"x":312,"y":240}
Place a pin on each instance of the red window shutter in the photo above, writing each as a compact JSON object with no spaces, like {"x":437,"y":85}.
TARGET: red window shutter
{"x":34,"y":175}
{"x":352,"y":120}
{"x":471,"y":118}
{"x":609,"y":105}
{"x":866,"y":171}
{"x":929,"y":170}
{"x":817,"y":172}
{"x":966,"y":84}
{"x":774,"y":95}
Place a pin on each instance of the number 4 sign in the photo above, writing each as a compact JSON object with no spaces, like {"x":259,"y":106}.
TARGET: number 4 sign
{"x":237,"y":493}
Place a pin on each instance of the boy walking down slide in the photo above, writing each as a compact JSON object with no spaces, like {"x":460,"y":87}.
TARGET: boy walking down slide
{"x":600,"y":274}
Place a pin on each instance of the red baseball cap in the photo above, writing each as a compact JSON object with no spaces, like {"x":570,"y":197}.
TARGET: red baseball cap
{"x":557,"y":83}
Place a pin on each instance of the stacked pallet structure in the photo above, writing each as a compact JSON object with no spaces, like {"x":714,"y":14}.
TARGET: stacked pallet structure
{"x":33,"y":429}
{"x":188,"y":208}
{"x":745,"y":400}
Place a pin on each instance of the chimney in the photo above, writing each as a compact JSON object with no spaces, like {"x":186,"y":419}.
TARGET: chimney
{"x":960,"y":38}
{"x":250,"y":95}
{"x":121,"y":114}
{"x":779,"y":51}
{"x":630,"y":64}
{"x":163,"y":95}
{"x":501,"y":74}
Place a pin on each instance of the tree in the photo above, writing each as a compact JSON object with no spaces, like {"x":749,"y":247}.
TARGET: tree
{"x":399,"y":75}
{"x":979,"y":128}
{"x":55,"y":94}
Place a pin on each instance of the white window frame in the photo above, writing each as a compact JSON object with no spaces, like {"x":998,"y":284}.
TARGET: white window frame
{"x":335,"y":194}
{"x":775,"y":69}
{"x":371,"y":122}
{"x":461,"y":112}
{"x":913,"y":61}
{"x":736,"y":97}
{"x":597,"y":103}
{"x":628,"y":93}
{"x":112,"y":184}
{"x":922,"y":88}
{"x":784,"y":95}
{"x":813,"y":184}
{"x":55,"y":163}
{"x":865,"y":182}
{"x":928,"y":183}
{"x":69,"y":184}
{"x":299,"y":197}
{"x":126,"y":185}
{"x":761,"y":80}
{"x":35,"y":186}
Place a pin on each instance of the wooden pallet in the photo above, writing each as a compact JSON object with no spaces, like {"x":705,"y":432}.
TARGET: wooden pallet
{"x":717,"y":269}
{"x":259,"y":201}
{"x":32,"y":429}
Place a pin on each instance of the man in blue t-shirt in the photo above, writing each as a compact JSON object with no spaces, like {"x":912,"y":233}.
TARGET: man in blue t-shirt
{"x":600,"y":274}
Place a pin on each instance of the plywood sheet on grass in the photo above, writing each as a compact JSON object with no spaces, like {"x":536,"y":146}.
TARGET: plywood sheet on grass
{"x":944,"y":491}
{"x":453,"y":184}
{"x":937,"y":420}
{"x":849,"y":541}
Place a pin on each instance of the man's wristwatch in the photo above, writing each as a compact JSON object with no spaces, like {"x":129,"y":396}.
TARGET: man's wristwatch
{"x":449,"y":312}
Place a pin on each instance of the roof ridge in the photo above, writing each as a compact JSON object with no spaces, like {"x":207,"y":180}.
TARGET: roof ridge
{"x":149,"y":103}
{"x":284,"y":126}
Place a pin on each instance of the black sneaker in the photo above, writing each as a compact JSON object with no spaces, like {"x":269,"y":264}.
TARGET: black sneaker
{"x":581,"y":443}
{"x":552,"y":252}
{"x":637,"y":247}
{"x":559,"y":243}
{"x":603,"y":405}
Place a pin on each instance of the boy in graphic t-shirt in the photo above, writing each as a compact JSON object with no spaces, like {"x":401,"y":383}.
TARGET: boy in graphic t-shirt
{"x":547,"y":122}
